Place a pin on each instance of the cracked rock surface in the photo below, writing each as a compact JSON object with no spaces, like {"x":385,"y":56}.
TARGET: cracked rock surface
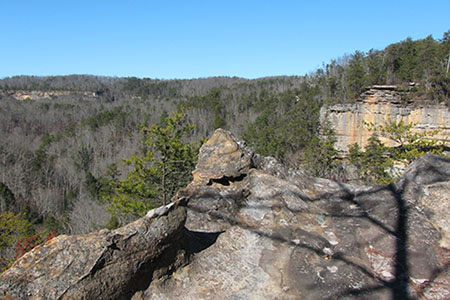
{"x":247,"y":227}
{"x":283,"y":235}
{"x":109,"y":264}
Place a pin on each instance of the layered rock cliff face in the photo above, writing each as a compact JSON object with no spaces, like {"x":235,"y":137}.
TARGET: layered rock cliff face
{"x":41,"y":95}
{"x":249,"y":228}
{"x":378,"y":105}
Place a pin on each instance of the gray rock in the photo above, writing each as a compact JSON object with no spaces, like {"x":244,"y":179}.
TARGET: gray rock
{"x":101,"y":265}
{"x":283,"y":235}
{"x":258,"y":230}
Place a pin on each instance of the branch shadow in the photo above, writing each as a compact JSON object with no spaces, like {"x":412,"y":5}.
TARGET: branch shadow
{"x":399,"y":285}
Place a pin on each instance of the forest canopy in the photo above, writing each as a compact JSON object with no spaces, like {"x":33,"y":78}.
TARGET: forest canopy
{"x":59,"y":151}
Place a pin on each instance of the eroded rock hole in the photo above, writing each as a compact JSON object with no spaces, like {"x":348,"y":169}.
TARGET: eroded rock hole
{"x":227,"y":180}
{"x":198,"y":241}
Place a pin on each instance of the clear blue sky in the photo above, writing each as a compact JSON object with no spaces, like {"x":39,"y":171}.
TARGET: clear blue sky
{"x":193,"y":38}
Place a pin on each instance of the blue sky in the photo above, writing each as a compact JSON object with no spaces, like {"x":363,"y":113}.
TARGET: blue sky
{"x":199,"y":38}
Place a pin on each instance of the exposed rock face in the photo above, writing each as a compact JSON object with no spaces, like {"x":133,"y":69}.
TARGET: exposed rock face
{"x":221,"y":158}
{"x":41,"y":95}
{"x":101,"y":265}
{"x":282,"y":235}
{"x":377,"y":106}
{"x":257,"y":230}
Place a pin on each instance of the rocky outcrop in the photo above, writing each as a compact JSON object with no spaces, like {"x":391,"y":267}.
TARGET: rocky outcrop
{"x":109,"y":264}
{"x":42,"y":95}
{"x":282,"y":235}
{"x":257,"y":230}
{"x":378,"y":105}
{"x":222,"y":158}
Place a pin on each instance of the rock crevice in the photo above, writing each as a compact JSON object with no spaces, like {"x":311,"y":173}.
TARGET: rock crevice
{"x":248,"y":227}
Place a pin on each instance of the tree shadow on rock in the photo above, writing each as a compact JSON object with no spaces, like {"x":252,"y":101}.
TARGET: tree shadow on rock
{"x":386,"y":209}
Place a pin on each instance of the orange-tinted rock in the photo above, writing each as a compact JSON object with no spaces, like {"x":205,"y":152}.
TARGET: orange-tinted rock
{"x":221,"y":157}
{"x":377,"y":107}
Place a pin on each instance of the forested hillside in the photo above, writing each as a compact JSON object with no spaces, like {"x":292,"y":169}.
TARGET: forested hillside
{"x":58,"y":153}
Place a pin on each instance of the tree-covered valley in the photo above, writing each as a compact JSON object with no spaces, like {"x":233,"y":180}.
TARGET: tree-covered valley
{"x":64,"y":155}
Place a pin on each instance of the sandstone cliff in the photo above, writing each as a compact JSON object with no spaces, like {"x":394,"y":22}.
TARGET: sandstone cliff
{"x":43,"y":95}
{"x":376,"y":106}
{"x":249,"y":228}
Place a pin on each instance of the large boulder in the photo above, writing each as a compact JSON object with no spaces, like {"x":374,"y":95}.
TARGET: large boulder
{"x":249,"y":227}
{"x":283,"y":235}
{"x":108,"y":264}
{"x":221,"y":159}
